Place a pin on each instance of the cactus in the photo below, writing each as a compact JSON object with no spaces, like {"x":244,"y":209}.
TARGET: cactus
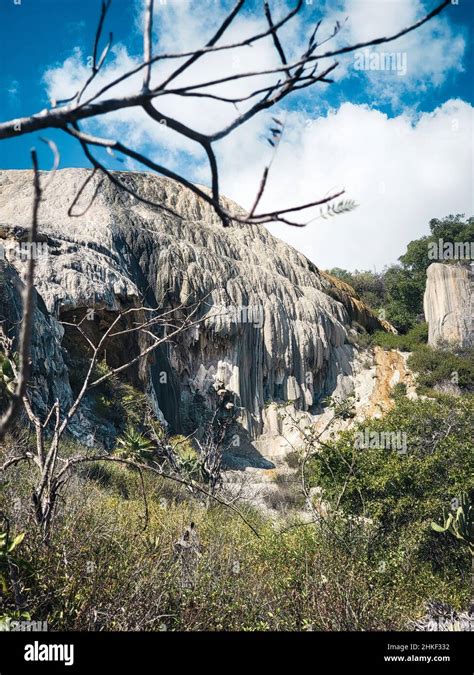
{"x":461,"y":525}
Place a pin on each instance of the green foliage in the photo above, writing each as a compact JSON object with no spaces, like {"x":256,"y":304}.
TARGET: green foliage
{"x":416,"y":336}
{"x":368,"y":285}
{"x":7,"y":381}
{"x":460,"y":524}
{"x":392,"y":487}
{"x":188,"y":459}
{"x":8,"y":545}
{"x":123,"y":405}
{"x":404,"y":296}
{"x":438,"y":366}
{"x":400,"y":492}
{"x":399,"y":288}
{"x":399,"y":390}
{"x":135,"y":446}
{"x":102,"y":571}
{"x":6,"y":371}
{"x":450,"y":229}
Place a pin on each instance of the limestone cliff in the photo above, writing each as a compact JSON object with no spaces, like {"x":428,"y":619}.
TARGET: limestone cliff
{"x":447,"y":305}
{"x":276,"y":328}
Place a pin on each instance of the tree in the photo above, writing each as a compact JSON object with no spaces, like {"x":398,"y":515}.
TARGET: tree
{"x":404,"y":301}
{"x":52,"y":469}
{"x":399,"y":289}
{"x":405,"y":283}
{"x":369,"y":286}
{"x":68,"y":115}
{"x":134,"y":450}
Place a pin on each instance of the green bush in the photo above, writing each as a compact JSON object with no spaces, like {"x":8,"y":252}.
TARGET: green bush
{"x":369,"y":564}
{"x":401,"y":492}
{"x":103,"y":571}
{"x":438,"y":366}
{"x":416,"y":336}
{"x":399,"y":289}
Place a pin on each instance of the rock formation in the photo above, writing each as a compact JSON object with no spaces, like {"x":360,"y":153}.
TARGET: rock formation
{"x":448,"y":305}
{"x":276,"y":328}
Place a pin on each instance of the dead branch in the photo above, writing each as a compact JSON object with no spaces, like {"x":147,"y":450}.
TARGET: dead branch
{"x":299,"y":74}
{"x":157,"y":471}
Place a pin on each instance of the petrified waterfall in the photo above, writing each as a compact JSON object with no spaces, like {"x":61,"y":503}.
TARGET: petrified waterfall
{"x":275,"y":328}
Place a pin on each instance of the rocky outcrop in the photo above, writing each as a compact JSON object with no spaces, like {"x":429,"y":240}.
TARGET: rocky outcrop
{"x":448,"y":305}
{"x":356,"y":308}
{"x":275,"y":327}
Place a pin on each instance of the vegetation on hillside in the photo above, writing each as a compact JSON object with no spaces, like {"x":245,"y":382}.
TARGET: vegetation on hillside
{"x":398,"y":290}
{"x":132,"y":550}
{"x":371,"y":561}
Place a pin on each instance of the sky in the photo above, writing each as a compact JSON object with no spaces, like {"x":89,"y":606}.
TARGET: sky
{"x":398,"y":139}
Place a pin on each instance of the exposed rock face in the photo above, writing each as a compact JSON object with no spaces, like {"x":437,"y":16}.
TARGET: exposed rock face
{"x":275,"y":329}
{"x":448,"y":305}
{"x":50,"y":371}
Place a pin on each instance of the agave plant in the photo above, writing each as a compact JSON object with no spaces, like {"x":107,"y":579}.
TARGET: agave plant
{"x":7,"y":376}
{"x":7,"y":546}
{"x":186,"y":459}
{"x":461,"y":525}
{"x":134,"y":445}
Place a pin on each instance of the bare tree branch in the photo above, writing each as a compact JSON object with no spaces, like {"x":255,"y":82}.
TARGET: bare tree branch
{"x":147,"y":43}
{"x":97,"y":65}
{"x":293,"y":76}
{"x":297,"y":75}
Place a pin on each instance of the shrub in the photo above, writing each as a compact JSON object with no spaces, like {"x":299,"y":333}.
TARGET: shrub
{"x":372,"y":563}
{"x":103,"y":572}
{"x":436,"y":366}
{"x":416,"y":336}
{"x":401,"y":493}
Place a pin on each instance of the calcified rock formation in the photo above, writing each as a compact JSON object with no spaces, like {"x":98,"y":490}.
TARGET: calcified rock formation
{"x":448,"y":305}
{"x":276,"y":328}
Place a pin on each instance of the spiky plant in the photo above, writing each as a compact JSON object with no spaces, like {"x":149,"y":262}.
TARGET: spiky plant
{"x":134,"y":445}
{"x":6,"y":373}
{"x":7,"y":546}
{"x":187,"y":459}
{"x":461,"y":526}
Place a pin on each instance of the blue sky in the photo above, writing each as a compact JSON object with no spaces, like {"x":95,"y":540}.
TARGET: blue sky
{"x":331,"y":131}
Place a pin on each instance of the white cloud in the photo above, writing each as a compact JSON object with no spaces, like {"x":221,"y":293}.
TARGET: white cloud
{"x":401,"y":170}
{"x":432,"y":52}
